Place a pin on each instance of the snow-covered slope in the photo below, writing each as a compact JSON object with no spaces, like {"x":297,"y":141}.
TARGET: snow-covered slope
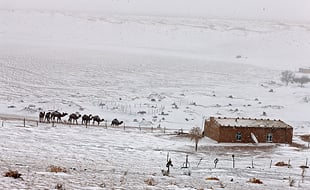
{"x":281,"y":10}
{"x":266,"y":33}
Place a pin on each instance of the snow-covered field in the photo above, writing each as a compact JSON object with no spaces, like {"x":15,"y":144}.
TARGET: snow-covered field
{"x":151,"y":66}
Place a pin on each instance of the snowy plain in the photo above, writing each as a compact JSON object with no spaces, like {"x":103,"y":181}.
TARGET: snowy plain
{"x":165,"y":65}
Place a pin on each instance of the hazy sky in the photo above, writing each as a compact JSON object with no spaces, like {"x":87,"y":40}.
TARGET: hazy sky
{"x":293,"y":10}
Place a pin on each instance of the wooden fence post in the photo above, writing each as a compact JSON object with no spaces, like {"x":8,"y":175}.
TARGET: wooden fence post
{"x":186,"y":163}
{"x":199,"y":162}
{"x":215,"y":162}
{"x":270,"y":164}
{"x":24,"y":122}
{"x":233,"y":159}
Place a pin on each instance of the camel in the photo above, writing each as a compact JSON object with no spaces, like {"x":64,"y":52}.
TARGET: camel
{"x":41,"y":116}
{"x":58,"y":115}
{"x":115,"y":122}
{"x":48,"y":117}
{"x":74,"y":117}
{"x":86,"y":119}
{"x":97,"y":119}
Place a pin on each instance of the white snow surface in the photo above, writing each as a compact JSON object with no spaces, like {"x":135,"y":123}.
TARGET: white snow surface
{"x":250,"y":122}
{"x":159,"y":66}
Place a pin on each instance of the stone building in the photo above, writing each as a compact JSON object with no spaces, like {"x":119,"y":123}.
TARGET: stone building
{"x":304,"y":70}
{"x":247,"y":130}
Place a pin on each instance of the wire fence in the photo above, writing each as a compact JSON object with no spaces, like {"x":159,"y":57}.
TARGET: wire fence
{"x":30,"y":122}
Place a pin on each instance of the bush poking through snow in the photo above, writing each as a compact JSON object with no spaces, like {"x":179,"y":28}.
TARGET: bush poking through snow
{"x":255,"y":180}
{"x":13,"y":174}
{"x":302,"y":80}
{"x":195,"y":135}
{"x":150,"y":182}
{"x":291,"y":182}
{"x":222,"y":185}
{"x":287,"y":77}
{"x":123,"y":179}
{"x":306,"y":99}
{"x":59,"y":186}
{"x":57,"y":169}
{"x":281,"y":164}
{"x":165,"y":173}
{"x":212,"y":178}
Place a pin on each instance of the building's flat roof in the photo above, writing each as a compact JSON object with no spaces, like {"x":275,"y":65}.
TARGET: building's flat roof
{"x":250,"y":122}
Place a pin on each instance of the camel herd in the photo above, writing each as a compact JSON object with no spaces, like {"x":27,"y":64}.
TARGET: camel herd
{"x":56,"y":116}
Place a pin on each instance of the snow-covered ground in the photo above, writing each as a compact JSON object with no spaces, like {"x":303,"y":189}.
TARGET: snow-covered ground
{"x":167,"y":64}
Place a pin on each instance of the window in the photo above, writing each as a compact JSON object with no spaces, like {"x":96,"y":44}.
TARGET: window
{"x":238,"y":136}
{"x":269,"y":137}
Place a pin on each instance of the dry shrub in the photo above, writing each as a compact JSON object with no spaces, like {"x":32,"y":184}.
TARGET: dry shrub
{"x":13,"y":174}
{"x":212,"y":178}
{"x":173,"y":183}
{"x":59,"y":186}
{"x":291,"y":182}
{"x":281,"y":164}
{"x":297,"y":145}
{"x":150,"y":181}
{"x":255,"y":180}
{"x":165,"y":173}
{"x":57,"y":169}
{"x":305,"y":138}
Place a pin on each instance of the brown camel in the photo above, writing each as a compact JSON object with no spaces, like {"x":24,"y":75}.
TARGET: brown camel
{"x":41,"y":116}
{"x":115,"y":122}
{"x":97,"y":119}
{"x":73,"y":118}
{"x":58,"y":115}
{"x":86,"y":119}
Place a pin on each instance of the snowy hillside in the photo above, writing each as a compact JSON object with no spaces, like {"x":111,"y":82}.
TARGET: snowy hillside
{"x":162,"y":65}
{"x":270,"y":33}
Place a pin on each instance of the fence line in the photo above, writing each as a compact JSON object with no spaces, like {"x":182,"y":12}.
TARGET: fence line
{"x":33,"y":122}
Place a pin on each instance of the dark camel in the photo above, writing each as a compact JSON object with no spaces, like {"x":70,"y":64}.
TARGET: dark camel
{"x":41,"y":116}
{"x":48,"y":117}
{"x":97,"y":119}
{"x":57,"y":115}
{"x":73,"y":118}
{"x":115,"y":122}
{"x":86,"y":119}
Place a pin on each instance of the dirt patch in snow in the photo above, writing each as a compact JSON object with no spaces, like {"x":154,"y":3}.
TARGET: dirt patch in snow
{"x":305,"y":138}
